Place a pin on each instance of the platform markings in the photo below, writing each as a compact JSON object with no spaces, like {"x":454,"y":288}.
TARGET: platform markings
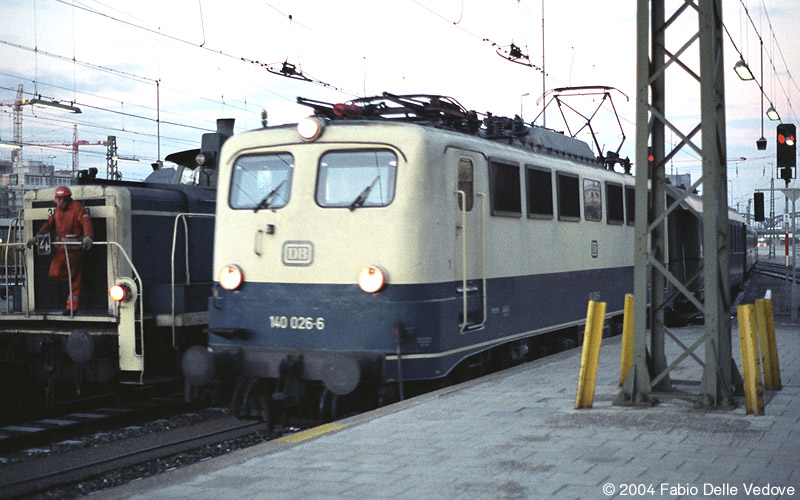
{"x":310,"y":433}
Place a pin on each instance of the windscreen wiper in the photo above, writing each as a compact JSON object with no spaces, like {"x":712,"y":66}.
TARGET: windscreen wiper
{"x":361,"y":198}
{"x":267,"y":201}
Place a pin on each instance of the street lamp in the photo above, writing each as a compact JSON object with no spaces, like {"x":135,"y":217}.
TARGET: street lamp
{"x":772,"y":113}
{"x":52,"y":105}
{"x":526,"y":94}
{"x":743,"y":70}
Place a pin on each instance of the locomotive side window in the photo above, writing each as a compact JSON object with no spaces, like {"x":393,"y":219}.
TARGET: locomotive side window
{"x":539,"y":182}
{"x":353,"y":179}
{"x":592,"y":200}
{"x":615,"y":211}
{"x":261,"y":181}
{"x":466,"y":183}
{"x":504,"y":185}
{"x":630,"y":204}
{"x":569,"y":205}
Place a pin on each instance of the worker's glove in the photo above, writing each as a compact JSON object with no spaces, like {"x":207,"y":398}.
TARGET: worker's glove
{"x":31,"y":243}
{"x":87,"y":243}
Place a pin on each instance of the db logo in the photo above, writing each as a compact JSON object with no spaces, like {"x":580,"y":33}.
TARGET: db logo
{"x":298,"y":253}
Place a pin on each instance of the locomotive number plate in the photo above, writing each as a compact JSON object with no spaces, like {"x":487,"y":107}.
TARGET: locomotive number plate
{"x":297,"y":322}
{"x":298,"y":253}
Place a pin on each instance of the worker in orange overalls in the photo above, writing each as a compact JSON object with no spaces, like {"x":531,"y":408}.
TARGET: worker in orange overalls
{"x":72,"y":224}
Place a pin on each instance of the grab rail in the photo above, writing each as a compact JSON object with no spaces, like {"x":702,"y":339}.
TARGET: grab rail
{"x":182,"y":217}
{"x":462,"y":195}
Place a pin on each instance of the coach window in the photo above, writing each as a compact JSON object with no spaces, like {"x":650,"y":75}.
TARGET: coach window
{"x":261,"y":181}
{"x":630,"y":204}
{"x":504,"y":185}
{"x":466,"y":183}
{"x":356,"y":178}
{"x":592,"y":200}
{"x":569,"y":204}
{"x":539,"y":183}
{"x":615,"y":211}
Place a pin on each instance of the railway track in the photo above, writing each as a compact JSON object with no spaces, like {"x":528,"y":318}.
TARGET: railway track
{"x":773,"y":270}
{"x":81,"y":471}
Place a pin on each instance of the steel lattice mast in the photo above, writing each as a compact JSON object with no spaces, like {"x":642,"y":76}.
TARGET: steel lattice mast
{"x":649,"y":377}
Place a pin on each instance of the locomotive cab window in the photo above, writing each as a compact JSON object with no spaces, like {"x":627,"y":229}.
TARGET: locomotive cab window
{"x":615,"y":210}
{"x":505,"y":187}
{"x":356,"y":178}
{"x":539,"y":183}
{"x":466,"y":184}
{"x":261,"y":181}
{"x":569,"y":205}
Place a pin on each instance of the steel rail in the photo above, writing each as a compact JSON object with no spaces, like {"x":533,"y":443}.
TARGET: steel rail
{"x":27,"y":478}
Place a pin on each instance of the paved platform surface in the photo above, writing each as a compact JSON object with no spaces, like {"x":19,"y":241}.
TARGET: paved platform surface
{"x":516,"y":435}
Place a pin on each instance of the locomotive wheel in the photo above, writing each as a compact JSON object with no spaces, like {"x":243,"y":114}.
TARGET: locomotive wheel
{"x":241,"y":396}
{"x":329,"y":406}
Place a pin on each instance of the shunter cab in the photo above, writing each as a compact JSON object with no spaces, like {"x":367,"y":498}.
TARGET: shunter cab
{"x":146,"y":280}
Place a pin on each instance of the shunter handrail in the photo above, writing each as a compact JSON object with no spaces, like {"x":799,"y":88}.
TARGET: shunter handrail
{"x":181,"y":217}
{"x":66,"y":244}
{"x":14,"y":230}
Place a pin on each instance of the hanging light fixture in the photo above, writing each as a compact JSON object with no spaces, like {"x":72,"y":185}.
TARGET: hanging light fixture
{"x":772,"y":113}
{"x":131,"y":159}
{"x":53,"y":105}
{"x":743,"y":70}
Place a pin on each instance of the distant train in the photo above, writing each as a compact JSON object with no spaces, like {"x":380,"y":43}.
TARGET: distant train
{"x":151,"y":247}
{"x":685,"y":249}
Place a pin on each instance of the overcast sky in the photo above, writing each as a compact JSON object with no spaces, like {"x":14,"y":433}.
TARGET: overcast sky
{"x":208,"y":59}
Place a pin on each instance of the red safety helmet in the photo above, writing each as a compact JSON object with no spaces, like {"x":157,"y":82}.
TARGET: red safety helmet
{"x":62,"y":192}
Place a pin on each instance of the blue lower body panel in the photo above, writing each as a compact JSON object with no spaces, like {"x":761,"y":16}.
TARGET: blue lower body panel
{"x":277,"y":319}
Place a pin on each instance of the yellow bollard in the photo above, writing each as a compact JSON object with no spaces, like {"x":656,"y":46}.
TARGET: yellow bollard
{"x":595,"y":316}
{"x":751,"y":368}
{"x":627,"y":339}
{"x":769,"y":349}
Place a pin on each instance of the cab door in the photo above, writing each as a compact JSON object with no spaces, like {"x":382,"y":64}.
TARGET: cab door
{"x":469,"y":200}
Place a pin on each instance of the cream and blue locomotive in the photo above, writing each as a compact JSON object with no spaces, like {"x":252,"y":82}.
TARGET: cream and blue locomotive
{"x":146,"y":283}
{"x":400,"y":239}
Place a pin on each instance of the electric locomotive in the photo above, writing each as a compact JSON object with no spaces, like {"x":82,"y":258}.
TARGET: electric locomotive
{"x":146,"y":282}
{"x":400,"y":239}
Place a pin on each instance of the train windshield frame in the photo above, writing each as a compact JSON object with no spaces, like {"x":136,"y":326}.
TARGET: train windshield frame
{"x":261,"y":181}
{"x":356,"y":178}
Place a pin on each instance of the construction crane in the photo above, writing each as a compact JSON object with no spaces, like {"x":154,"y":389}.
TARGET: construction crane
{"x":16,"y":153}
{"x":73,"y":145}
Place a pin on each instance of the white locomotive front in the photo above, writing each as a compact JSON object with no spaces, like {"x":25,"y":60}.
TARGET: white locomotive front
{"x":355,"y":255}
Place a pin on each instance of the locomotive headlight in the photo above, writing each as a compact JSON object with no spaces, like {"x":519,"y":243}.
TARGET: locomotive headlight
{"x":310,"y":128}
{"x":122,"y":291}
{"x":372,"y":279}
{"x":230,"y":277}
{"x":119,"y":293}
